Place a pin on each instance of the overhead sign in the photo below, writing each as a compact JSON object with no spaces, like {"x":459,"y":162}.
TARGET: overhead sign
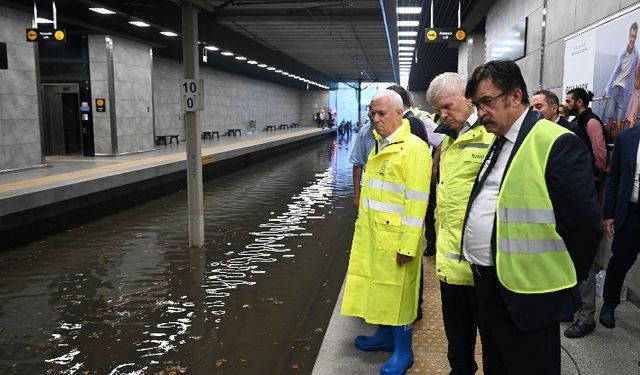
{"x":192,"y":94}
{"x":444,"y":35}
{"x":50,"y":35}
{"x":100,"y":105}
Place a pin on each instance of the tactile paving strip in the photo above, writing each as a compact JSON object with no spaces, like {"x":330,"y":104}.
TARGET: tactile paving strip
{"x":429,"y":339}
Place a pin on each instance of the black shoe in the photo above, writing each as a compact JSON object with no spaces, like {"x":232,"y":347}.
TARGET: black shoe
{"x":430,"y":250}
{"x":607,"y":317}
{"x":579,"y":329}
{"x":418,"y":316}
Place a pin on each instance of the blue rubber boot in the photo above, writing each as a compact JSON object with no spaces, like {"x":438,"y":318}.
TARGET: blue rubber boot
{"x":381,"y":340}
{"x":402,"y":358}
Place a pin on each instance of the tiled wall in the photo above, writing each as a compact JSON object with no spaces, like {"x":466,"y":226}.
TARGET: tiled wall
{"x":132,"y":78}
{"x":19,"y":118}
{"x":132,"y":84}
{"x":100,"y":89}
{"x":231,"y":101}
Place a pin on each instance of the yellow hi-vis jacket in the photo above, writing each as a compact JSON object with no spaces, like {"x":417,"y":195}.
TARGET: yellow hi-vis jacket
{"x":393,"y":203}
{"x":531,"y":257}
{"x":460,"y":161}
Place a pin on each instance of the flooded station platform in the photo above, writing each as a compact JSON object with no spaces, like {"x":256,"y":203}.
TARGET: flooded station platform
{"x":124,"y":294}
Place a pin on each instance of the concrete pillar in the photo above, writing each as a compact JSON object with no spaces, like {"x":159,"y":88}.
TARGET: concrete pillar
{"x":193,"y":125}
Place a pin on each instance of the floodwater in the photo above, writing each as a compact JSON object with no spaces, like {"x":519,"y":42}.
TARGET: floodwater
{"x":125,"y":294}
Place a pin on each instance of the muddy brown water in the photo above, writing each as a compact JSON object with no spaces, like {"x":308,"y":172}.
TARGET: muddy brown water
{"x":125,"y":294}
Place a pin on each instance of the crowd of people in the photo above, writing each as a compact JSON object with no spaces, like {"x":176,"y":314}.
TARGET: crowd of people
{"x":511,"y":197}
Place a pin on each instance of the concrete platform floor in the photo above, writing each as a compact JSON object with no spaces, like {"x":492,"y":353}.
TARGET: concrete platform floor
{"x":602,"y":352}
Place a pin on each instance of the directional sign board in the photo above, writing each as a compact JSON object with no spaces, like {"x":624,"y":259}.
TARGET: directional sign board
{"x":192,"y":94}
{"x":50,"y":35}
{"x":444,"y":35}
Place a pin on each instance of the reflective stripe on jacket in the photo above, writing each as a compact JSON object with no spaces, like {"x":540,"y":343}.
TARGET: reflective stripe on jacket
{"x":460,"y":161}
{"x":393,"y":203}
{"x":531,"y":257}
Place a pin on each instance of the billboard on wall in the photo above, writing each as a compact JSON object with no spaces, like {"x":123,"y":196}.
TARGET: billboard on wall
{"x":597,"y":56}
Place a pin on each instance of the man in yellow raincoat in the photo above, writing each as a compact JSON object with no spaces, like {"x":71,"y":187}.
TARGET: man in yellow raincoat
{"x":383,"y":277}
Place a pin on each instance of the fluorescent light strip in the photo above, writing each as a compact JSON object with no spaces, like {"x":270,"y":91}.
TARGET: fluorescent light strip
{"x":227,"y":53}
{"x":407,"y":33}
{"x":271,"y":68}
{"x":409,"y":10}
{"x":406,"y":41}
{"x":262,"y":65}
{"x":406,"y":48}
{"x":139,"y":23}
{"x":408,"y":23}
{"x":43,"y":20}
{"x":168,"y":33}
{"x":278,"y":70}
{"x":102,"y":10}
{"x":252,"y":62}
{"x":241,"y":58}
{"x":405,"y":53}
{"x":212,"y":48}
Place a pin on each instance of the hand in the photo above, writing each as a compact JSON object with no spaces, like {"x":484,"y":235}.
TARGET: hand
{"x":608,"y":227}
{"x":402,"y":259}
{"x":356,"y":200}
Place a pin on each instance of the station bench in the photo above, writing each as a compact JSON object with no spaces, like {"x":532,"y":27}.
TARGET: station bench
{"x":210,"y":133}
{"x":163,"y":139}
{"x":234,"y":132}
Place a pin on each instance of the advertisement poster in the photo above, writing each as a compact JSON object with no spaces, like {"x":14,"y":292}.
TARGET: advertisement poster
{"x":601,"y":56}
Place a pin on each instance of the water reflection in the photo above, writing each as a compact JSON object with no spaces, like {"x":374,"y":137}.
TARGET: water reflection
{"x":124,"y":295}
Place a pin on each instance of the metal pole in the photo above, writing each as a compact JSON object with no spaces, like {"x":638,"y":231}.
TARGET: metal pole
{"x":193,"y":126}
{"x":359,"y":93}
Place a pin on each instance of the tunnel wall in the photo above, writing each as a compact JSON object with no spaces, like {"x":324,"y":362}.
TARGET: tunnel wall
{"x":19,"y":114}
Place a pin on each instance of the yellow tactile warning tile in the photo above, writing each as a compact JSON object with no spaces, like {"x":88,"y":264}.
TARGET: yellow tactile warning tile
{"x":429,"y":339}
{"x":131,"y":164}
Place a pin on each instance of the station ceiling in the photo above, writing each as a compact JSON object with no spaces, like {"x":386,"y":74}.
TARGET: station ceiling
{"x":324,"y":41}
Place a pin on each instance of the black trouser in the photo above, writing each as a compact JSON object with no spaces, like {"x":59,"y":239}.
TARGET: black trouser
{"x":459,"y":312}
{"x":505,"y":348}
{"x":625,"y":248}
{"x":430,"y":221}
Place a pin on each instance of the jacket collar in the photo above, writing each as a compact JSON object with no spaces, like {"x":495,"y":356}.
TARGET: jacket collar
{"x":400,"y":136}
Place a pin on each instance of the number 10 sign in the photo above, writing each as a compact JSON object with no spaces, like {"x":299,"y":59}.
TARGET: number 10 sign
{"x":192,"y":94}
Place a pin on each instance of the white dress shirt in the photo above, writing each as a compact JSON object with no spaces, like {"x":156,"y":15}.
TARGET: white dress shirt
{"x":636,"y":185}
{"x":384,"y":142}
{"x":477,"y":232}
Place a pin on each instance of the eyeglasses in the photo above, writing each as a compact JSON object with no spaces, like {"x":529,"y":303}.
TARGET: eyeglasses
{"x":487,"y":102}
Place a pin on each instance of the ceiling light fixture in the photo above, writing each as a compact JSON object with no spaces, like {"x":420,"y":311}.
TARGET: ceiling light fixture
{"x":241,"y":58}
{"x":139,"y":23}
{"x":408,"y":23}
{"x":262,"y":65}
{"x":271,"y":68}
{"x":227,"y":53}
{"x":405,"y":54}
{"x":407,"y":33}
{"x":278,"y":70}
{"x":406,"y":48}
{"x":102,"y":10}
{"x":409,"y":10}
{"x":406,"y":41}
{"x":168,"y":33}
{"x":212,"y":48}
{"x":252,"y":62}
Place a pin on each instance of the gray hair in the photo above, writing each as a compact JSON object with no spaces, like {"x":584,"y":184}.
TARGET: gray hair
{"x":394,"y":98}
{"x":446,"y":83}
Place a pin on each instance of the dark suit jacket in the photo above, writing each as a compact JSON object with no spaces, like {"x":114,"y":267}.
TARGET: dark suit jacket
{"x":417,"y":127}
{"x":620,"y":181}
{"x":569,"y":178}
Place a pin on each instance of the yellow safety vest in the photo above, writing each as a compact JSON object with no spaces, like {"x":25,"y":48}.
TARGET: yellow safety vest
{"x":460,"y":161}
{"x":531,"y":257}
{"x":393,"y":203}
